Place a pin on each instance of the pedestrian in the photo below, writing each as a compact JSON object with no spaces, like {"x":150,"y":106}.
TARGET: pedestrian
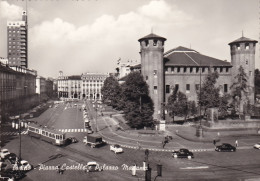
{"x":214,"y":142}
{"x":236,"y":143}
{"x":59,"y":169}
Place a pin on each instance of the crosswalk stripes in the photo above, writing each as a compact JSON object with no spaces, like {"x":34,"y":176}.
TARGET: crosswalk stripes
{"x":13,"y":133}
{"x":62,"y":130}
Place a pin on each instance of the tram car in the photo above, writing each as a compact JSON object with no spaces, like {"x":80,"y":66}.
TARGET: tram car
{"x":52,"y":136}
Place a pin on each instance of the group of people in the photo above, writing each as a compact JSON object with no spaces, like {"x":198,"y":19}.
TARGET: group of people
{"x":60,"y":169}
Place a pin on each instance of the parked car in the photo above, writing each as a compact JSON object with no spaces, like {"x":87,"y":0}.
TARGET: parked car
{"x":4,"y":153}
{"x":183,"y":153}
{"x":23,"y":165}
{"x":12,"y":158}
{"x":257,"y":146}
{"x":116,"y":148}
{"x":93,"y":167}
{"x":225,"y":147}
{"x":13,"y":174}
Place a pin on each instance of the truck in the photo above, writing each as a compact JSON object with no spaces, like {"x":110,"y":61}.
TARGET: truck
{"x":93,"y":140}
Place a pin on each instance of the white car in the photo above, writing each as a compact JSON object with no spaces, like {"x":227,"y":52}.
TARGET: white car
{"x":116,"y":148}
{"x":257,"y":146}
{"x":93,"y":167}
{"x":23,"y":165}
{"x":4,"y":153}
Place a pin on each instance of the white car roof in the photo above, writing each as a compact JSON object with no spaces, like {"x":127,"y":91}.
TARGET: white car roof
{"x":4,"y":149}
{"x":92,"y":163}
{"x":24,"y":161}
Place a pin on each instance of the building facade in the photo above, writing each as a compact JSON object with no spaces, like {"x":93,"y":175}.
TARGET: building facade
{"x":17,"y":42}
{"x":186,"y":69}
{"x":17,"y":89}
{"x":86,"y":86}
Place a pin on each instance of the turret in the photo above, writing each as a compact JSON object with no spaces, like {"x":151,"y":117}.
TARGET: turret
{"x":152,"y":68}
{"x":243,"y":54}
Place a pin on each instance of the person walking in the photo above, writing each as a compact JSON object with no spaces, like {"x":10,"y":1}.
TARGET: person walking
{"x":236,"y":143}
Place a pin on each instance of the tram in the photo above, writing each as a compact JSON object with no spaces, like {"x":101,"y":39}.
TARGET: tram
{"x":52,"y":136}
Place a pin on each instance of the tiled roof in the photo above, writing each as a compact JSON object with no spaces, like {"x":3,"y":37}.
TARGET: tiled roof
{"x":180,"y":48}
{"x":152,"y":36}
{"x":182,"y":56}
{"x":242,"y":39}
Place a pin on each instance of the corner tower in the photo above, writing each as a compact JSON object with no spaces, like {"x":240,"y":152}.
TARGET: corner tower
{"x":243,"y":54}
{"x":152,"y":68}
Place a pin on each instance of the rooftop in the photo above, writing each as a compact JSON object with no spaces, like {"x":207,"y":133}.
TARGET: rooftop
{"x":242,"y":39}
{"x":152,"y":36}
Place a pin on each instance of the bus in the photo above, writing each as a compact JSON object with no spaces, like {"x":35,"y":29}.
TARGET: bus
{"x":52,"y":136}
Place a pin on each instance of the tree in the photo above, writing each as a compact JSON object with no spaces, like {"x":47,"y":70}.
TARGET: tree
{"x":111,"y":92}
{"x":257,"y":81}
{"x":209,"y":95}
{"x":138,"y":106}
{"x":240,"y":90}
{"x":178,"y":104}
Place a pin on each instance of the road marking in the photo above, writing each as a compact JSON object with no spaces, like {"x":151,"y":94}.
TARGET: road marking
{"x":199,"y":167}
{"x":65,"y":130}
{"x":85,"y":130}
{"x":68,"y":130}
{"x":82,"y":130}
{"x":78,"y":130}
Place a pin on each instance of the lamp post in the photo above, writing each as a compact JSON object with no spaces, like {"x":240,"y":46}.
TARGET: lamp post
{"x":17,"y":124}
{"x":199,"y":130}
{"x":95,"y":109}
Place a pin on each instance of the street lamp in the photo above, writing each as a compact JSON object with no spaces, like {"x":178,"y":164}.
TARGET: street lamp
{"x":17,"y":125}
{"x":95,"y":107}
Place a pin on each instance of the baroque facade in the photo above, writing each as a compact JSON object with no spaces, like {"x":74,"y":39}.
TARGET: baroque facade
{"x":86,"y":86}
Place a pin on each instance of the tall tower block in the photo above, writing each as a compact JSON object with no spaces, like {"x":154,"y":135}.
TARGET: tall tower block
{"x":17,"y":42}
{"x":243,"y":54}
{"x":152,"y":68}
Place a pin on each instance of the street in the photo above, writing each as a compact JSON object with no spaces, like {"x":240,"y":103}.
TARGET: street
{"x":240,"y":165}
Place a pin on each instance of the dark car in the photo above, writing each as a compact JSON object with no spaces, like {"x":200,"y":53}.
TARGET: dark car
{"x":12,"y":158}
{"x":225,"y":147}
{"x":182,"y":153}
{"x":71,"y":140}
{"x":16,"y":174}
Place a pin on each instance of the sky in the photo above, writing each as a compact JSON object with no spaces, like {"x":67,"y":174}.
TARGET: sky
{"x":79,"y":36}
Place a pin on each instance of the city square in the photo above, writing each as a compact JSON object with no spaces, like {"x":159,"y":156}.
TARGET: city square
{"x":153,"y":110}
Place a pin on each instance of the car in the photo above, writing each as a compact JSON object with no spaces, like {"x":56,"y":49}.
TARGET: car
{"x":4,"y":153}
{"x":89,"y":131}
{"x":116,"y":148}
{"x":12,"y":158}
{"x":23,"y":165}
{"x":257,"y":146}
{"x":14,"y":174}
{"x":93,"y":167}
{"x":70,"y":140}
{"x":183,"y":153}
{"x":225,"y":147}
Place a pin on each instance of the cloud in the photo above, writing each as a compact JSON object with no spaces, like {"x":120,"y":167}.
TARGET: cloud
{"x":11,"y":12}
{"x":96,"y":46}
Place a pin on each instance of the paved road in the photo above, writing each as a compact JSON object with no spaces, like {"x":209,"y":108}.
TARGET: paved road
{"x":245,"y":163}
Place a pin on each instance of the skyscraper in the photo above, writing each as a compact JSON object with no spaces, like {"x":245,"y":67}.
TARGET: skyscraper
{"x":17,"y":44}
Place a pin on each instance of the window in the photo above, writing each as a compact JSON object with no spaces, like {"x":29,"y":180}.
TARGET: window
{"x":203,"y":69}
{"x":246,"y":62}
{"x":247,"y":46}
{"x":197,"y":69}
{"x":238,"y":46}
{"x":225,"y":88}
{"x":176,"y":87}
{"x":155,"y":89}
{"x":178,"y":69}
{"x":221,"y":69}
{"x":167,"y":89}
{"x":155,"y":42}
{"x":197,"y":87}
{"x":187,"y":88}
{"x":227,"y":69}
{"x":184,"y":69}
{"x":191,"y":69}
{"x":146,"y":43}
